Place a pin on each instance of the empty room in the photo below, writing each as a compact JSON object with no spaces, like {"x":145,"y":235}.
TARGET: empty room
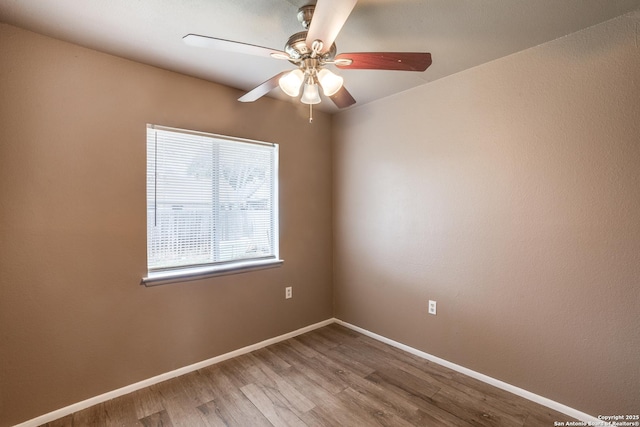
{"x":319,"y":213}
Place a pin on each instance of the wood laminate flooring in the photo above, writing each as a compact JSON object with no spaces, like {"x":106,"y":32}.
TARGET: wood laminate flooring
{"x":331,"y":376}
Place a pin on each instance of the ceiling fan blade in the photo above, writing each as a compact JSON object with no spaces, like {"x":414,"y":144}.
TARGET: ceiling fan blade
{"x":342,"y":98}
{"x":262,"y":89}
{"x":328,"y":18}
{"x":400,"y":61}
{"x":231,"y":46}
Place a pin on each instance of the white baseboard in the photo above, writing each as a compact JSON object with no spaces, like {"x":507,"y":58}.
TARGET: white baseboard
{"x":51,"y":416}
{"x":63,"y":412}
{"x":574,"y":413}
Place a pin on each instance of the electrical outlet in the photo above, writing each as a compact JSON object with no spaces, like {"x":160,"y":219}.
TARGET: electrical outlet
{"x":288,"y":292}
{"x":432,"y":307}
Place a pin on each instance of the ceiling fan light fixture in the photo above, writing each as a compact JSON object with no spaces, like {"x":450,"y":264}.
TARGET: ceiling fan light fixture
{"x":330,"y":82}
{"x":310,"y":94}
{"x":291,"y":82}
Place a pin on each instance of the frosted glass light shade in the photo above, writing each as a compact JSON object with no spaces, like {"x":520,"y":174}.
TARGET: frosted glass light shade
{"x":290,"y":83}
{"x":330,"y":82}
{"x":310,"y":95}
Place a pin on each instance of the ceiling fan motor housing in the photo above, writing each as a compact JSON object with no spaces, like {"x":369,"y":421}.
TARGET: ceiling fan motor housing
{"x":297,"y":48}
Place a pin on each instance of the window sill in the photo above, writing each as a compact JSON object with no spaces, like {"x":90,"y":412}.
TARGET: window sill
{"x":196,"y":273}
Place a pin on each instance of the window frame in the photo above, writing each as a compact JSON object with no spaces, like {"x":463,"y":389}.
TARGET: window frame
{"x":164,"y":275}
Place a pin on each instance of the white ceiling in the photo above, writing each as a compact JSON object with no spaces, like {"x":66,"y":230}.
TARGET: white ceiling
{"x":460,"y":34}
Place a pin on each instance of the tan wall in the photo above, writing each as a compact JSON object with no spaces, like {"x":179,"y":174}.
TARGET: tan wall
{"x":510,"y":194}
{"x":74,"y":320}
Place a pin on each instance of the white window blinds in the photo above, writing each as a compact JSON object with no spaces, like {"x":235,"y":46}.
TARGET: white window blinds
{"x":211,"y":200}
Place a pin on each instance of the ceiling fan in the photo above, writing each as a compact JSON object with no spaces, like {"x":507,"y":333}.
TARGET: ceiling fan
{"x":311,"y":51}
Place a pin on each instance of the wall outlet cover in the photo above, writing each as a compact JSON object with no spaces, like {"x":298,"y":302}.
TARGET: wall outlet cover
{"x":432,"y":307}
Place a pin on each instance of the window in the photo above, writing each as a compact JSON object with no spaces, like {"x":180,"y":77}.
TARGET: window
{"x":212,"y":204}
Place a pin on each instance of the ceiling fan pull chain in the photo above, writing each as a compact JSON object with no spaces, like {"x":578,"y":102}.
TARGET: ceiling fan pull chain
{"x":310,"y":113}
